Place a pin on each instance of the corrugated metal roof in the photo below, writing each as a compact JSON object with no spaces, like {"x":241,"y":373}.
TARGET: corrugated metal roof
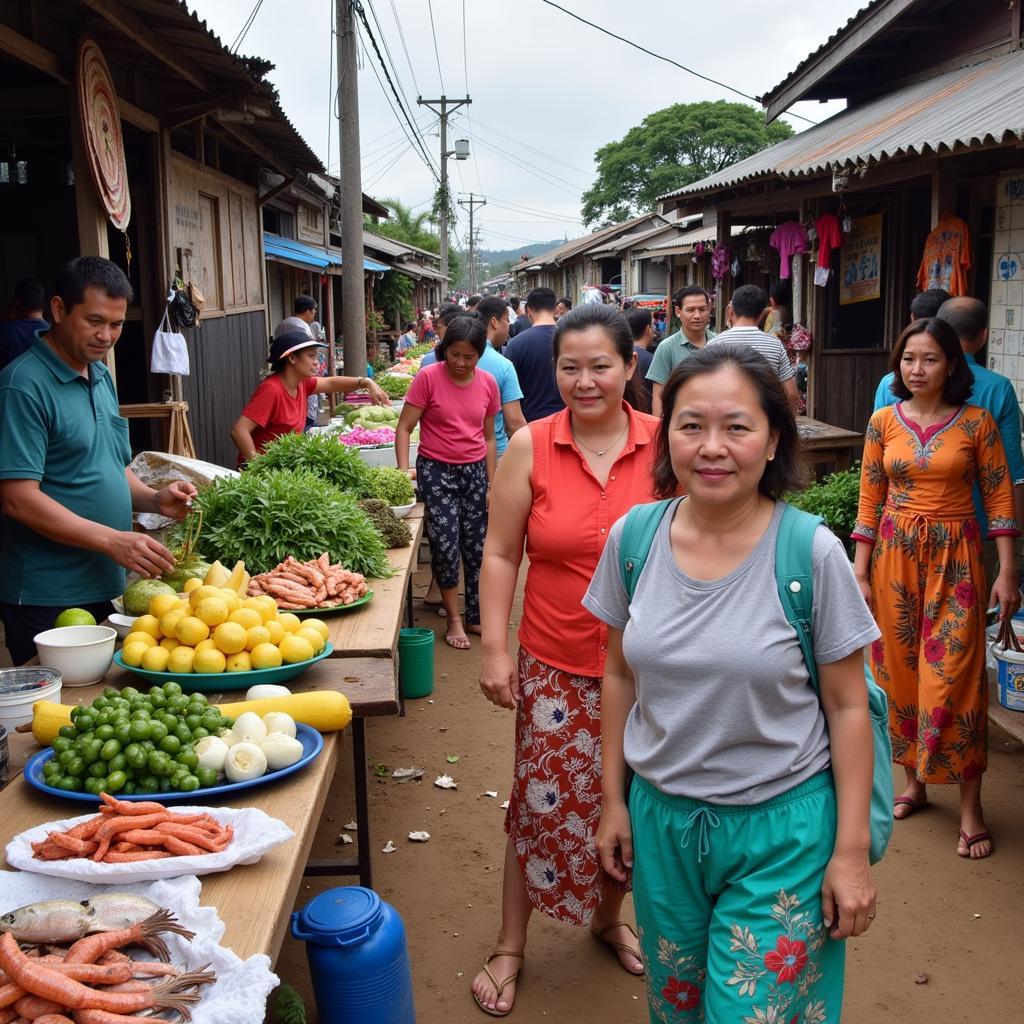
{"x":577,"y":245}
{"x":970,"y":107}
{"x":311,"y":257}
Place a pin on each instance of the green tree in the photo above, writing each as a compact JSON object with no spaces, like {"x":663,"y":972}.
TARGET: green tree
{"x":417,"y":229}
{"x":672,"y":148}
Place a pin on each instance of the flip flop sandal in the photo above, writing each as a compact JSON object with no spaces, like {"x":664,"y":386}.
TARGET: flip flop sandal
{"x":619,"y":947}
{"x":971,"y":841}
{"x":499,"y":986}
{"x":906,"y":801}
{"x":457,"y":643}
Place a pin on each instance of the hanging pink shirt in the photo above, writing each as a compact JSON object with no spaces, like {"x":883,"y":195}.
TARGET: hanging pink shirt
{"x":788,"y":238}
{"x":452,"y":424}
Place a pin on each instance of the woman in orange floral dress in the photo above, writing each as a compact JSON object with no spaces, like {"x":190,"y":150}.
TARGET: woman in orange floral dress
{"x":919,"y":564}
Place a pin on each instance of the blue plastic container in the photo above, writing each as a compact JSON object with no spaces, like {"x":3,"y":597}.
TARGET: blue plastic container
{"x":358,"y":958}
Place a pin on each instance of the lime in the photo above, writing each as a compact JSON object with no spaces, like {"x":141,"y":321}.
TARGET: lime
{"x":74,"y":617}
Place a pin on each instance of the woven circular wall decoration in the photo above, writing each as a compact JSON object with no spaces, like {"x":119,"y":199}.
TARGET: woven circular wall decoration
{"x":101,"y":128}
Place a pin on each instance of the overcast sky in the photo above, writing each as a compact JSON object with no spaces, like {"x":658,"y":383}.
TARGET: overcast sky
{"x":547,"y":90}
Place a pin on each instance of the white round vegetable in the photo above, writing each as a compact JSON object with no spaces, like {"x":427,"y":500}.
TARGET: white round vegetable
{"x":261,"y":691}
{"x":244,"y":762}
{"x":279,"y":721}
{"x":281,"y":750}
{"x":212,"y":751}
{"x":248,"y":728}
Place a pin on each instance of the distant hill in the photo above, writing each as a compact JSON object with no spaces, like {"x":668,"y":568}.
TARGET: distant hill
{"x":498,"y":260}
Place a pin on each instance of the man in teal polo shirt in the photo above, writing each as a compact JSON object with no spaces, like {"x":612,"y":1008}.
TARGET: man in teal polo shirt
{"x":65,"y":490}
{"x":693,"y":310}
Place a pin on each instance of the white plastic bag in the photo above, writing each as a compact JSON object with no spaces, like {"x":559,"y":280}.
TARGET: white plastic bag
{"x":170,"y":353}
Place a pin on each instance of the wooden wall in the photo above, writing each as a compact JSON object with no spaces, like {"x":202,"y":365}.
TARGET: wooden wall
{"x":227,"y":354}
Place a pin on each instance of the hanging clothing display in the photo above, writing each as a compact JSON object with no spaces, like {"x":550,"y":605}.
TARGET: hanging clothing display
{"x":830,"y":236}
{"x":947,"y":257}
{"x":788,"y":238}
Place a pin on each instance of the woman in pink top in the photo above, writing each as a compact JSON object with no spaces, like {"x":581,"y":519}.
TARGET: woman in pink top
{"x":561,"y":486}
{"x":455,"y":407}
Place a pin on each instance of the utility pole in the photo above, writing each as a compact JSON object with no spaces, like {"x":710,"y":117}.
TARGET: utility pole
{"x":471,"y":205}
{"x":460,"y":152}
{"x":353,"y":301}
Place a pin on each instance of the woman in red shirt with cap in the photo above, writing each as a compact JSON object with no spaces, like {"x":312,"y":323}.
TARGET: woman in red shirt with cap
{"x":278,"y":405}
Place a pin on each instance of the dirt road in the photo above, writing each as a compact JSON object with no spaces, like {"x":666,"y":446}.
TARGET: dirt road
{"x":957,"y":922}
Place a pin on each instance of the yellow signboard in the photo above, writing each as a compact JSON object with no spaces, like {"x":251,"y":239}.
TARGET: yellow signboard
{"x":860,"y":274}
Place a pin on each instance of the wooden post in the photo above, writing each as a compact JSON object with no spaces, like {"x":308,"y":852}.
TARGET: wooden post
{"x":723,"y":230}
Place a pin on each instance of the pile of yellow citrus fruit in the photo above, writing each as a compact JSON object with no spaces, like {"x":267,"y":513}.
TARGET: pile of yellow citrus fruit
{"x":214,"y":629}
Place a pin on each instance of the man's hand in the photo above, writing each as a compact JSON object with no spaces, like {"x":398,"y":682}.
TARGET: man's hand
{"x":175,"y":500}
{"x":139,"y":553}
{"x":378,"y":396}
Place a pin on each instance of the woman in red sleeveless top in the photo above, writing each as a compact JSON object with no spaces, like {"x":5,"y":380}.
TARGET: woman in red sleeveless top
{"x":559,"y":488}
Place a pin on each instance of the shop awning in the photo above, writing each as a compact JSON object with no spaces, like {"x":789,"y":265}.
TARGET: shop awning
{"x":309,"y":257}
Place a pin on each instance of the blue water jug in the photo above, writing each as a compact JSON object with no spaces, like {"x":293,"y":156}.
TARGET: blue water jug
{"x":358,"y":958}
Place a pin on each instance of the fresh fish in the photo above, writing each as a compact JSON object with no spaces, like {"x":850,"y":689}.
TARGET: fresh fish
{"x":116,"y":910}
{"x":50,"y":921}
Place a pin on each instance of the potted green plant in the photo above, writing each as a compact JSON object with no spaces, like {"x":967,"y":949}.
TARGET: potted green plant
{"x":835,"y":499}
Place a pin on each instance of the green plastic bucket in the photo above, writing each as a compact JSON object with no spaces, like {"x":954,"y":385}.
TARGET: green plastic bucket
{"x":416,"y":663}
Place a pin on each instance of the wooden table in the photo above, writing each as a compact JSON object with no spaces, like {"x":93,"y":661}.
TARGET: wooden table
{"x":824,"y":443}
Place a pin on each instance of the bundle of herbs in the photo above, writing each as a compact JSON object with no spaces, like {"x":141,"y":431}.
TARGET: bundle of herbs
{"x":318,"y":453}
{"x":265,"y":517}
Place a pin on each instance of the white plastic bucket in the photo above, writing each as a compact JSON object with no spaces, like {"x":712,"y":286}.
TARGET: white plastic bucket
{"x":1010,"y":677}
{"x":20,"y":688}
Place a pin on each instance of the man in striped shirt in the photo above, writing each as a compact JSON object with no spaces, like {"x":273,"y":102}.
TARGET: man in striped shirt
{"x":749,"y":304}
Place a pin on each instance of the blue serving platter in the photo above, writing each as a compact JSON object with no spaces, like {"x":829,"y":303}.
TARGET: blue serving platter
{"x":311,"y":740}
{"x":222,"y":682}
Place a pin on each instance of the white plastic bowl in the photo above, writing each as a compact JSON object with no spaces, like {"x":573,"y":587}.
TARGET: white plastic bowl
{"x":386,"y":456}
{"x":20,"y":688}
{"x":81,"y":654}
{"x":123,"y":624}
{"x":403,"y":510}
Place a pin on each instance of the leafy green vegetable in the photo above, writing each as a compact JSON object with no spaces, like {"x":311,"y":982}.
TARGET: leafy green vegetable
{"x":418,"y":350}
{"x":390,"y":484}
{"x":320,"y":454}
{"x":264,"y":517}
{"x":835,"y":499}
{"x":288,"y":1007}
{"x":394,"y":387}
{"x":393,"y":531}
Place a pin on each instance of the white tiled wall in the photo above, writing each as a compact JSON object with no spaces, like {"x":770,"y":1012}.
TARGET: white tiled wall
{"x":1006,"y":301}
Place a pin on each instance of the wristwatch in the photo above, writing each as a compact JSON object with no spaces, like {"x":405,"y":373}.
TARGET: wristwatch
{"x":361,"y":382}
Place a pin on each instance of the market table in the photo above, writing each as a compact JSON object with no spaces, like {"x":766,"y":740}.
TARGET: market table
{"x":824,"y":443}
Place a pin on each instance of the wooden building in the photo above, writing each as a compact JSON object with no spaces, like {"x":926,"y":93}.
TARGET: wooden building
{"x":932,"y":128}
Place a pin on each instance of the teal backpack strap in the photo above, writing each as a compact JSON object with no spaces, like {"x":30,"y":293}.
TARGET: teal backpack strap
{"x":642,"y":522}
{"x":794,"y":576}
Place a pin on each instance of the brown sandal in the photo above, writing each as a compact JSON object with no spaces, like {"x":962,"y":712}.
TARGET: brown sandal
{"x":499,"y":986}
{"x":620,"y":947}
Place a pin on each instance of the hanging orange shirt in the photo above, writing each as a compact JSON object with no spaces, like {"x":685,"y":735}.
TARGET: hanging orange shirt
{"x":947,"y":257}
{"x":566,"y":533}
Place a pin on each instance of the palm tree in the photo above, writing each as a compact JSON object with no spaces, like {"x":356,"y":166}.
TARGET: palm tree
{"x":405,"y":226}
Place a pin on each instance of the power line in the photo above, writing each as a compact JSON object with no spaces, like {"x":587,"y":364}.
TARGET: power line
{"x":401,"y":36}
{"x":657,"y":56}
{"x":388,"y":165}
{"x":465,"y":69}
{"x":545,"y":176}
{"x":332,"y":94}
{"x":520,"y":208}
{"x":244,"y":31}
{"x":437,"y":55}
{"x":391,"y":60}
{"x":526,"y":145}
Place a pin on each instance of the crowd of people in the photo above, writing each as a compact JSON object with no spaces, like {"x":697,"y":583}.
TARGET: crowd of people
{"x":722,"y":781}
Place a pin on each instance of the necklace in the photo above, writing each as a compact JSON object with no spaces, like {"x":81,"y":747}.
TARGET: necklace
{"x":604,"y":451}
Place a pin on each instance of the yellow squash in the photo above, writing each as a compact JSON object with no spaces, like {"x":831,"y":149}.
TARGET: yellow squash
{"x":325,"y":710}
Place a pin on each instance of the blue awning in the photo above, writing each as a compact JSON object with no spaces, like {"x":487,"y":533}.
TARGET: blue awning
{"x":309,"y":257}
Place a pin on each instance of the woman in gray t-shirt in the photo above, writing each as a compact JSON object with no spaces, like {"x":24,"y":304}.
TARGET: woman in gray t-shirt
{"x":747,"y":825}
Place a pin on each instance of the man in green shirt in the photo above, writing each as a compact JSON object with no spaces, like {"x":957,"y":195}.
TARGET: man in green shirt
{"x":66,"y":493}
{"x":693,"y":310}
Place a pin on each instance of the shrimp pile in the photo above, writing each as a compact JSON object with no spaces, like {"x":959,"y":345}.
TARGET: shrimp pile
{"x":124,"y":832}
{"x":314,"y":584}
{"x":94,"y":982}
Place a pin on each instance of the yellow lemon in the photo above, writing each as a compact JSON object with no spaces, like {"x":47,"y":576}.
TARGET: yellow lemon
{"x":295,"y":648}
{"x":265,"y":656}
{"x":147,"y":624}
{"x":239,"y":662}
{"x":169,"y":642}
{"x":319,"y":625}
{"x":206,"y":645}
{"x":246,"y":618}
{"x":230,"y":637}
{"x":162,"y":604}
{"x":136,"y":637}
{"x":181,"y":659}
{"x":259,"y":606}
{"x":269,"y":601}
{"x":256,"y":635}
{"x":155,"y":659}
{"x":209,"y":661}
{"x":200,"y":593}
{"x":169,"y":623}
{"x":230,"y":598}
{"x":192,"y":584}
{"x":291,"y":623}
{"x":316,"y":641}
{"x":192,"y":630}
{"x":212,"y":610}
{"x":131,"y":654}
{"x":182,"y":605}
{"x":276,"y":630}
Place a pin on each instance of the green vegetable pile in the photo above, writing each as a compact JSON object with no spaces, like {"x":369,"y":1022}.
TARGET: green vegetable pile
{"x":835,"y":499}
{"x":394,"y":530}
{"x":318,"y":453}
{"x":418,"y":350}
{"x":264,"y":517}
{"x":394,"y":387}
{"x":371,"y":416}
{"x":390,"y":485}
{"x":129,"y":742}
